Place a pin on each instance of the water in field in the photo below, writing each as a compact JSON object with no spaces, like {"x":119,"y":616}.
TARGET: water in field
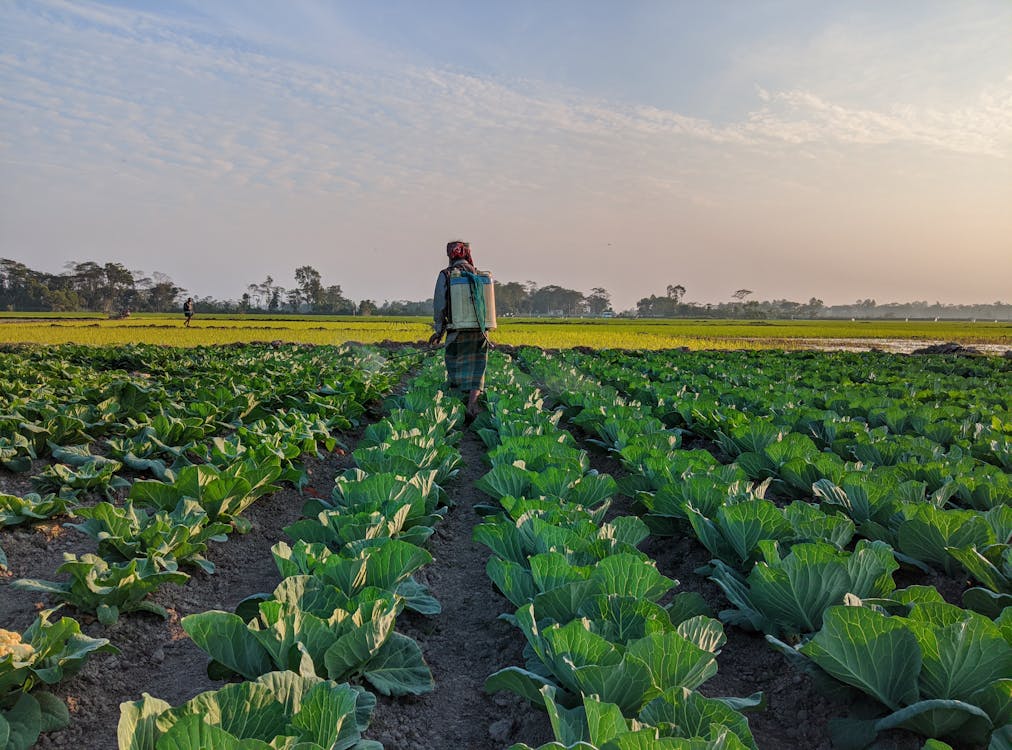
{"x":893,"y":346}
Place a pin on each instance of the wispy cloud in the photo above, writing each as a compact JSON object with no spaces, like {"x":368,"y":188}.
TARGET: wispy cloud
{"x":984,"y":129}
{"x":101,"y":88}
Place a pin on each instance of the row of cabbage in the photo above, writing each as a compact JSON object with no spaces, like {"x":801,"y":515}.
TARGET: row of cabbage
{"x":786,"y":567}
{"x":151,"y":406}
{"x":613,"y":655}
{"x":307,"y":649}
{"x":157,"y":411}
{"x":211,"y":468}
{"x":939,"y":506}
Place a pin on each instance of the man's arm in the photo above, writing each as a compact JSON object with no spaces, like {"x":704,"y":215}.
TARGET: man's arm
{"x":439,"y":309}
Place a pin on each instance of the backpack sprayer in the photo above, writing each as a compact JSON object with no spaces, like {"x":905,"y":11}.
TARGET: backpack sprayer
{"x":472,"y":301}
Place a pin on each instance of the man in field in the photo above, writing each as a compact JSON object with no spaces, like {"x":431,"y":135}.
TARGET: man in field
{"x":188,"y":311}
{"x":466,"y":351}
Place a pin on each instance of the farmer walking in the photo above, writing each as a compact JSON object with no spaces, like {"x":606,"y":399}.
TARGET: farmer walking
{"x":188,"y":311}
{"x":466,"y":351}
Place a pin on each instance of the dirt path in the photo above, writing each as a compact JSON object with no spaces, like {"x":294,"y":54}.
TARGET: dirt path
{"x":463,"y":645}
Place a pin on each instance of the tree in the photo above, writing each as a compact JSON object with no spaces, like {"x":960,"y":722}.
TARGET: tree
{"x":309,"y":282}
{"x":120,"y":289}
{"x":21,"y":288}
{"x":158,"y":294}
{"x":103,"y":287}
{"x":255,"y":293}
{"x":599,"y":301}
{"x":676,"y":292}
{"x":367,"y":307}
{"x":334,"y":302}
{"x":87,"y":279}
{"x":267,"y":291}
{"x":274,"y":303}
{"x":557,"y":300}
{"x":510,"y":298}
{"x":656,"y":307}
{"x":406,"y":307}
{"x":62,"y":300}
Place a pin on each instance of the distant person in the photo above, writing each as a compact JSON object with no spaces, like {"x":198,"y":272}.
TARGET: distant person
{"x":466,"y":351}
{"x":188,"y":311}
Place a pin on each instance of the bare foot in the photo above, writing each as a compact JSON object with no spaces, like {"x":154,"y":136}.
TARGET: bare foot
{"x":472,"y":405}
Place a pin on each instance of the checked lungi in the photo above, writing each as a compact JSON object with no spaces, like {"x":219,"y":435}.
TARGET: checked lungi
{"x":466,"y":357}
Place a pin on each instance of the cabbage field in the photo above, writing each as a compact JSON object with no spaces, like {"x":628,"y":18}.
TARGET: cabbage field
{"x":304,"y":547}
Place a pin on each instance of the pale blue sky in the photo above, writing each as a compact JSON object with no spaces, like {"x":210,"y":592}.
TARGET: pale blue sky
{"x":835,"y":149}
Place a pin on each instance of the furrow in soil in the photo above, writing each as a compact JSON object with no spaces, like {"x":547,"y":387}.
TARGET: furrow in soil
{"x":463,"y":645}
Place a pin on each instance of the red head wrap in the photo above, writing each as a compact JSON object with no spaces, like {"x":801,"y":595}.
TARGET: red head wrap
{"x":458,"y":250}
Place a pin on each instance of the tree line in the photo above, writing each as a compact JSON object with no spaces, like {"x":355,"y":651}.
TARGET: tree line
{"x":113,"y":289}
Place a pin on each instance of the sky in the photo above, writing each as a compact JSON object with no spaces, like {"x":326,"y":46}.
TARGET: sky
{"x":837,"y":149}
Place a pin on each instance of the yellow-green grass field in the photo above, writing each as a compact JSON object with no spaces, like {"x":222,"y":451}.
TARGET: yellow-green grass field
{"x":547,"y":333}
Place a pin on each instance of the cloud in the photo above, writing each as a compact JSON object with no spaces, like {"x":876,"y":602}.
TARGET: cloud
{"x":95,"y":89}
{"x":800,"y":117}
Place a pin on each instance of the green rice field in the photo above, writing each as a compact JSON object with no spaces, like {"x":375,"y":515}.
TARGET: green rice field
{"x":555,"y":333}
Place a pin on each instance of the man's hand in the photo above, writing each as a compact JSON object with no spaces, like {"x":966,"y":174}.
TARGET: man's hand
{"x":435,"y":338}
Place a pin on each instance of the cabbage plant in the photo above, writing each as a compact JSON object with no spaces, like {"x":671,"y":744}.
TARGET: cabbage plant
{"x":313,"y":628}
{"x":927,"y":531}
{"x":356,"y":492}
{"x":984,"y":488}
{"x":70,"y":481}
{"x":786,"y":596}
{"x":349,"y":531}
{"x":991,"y":565}
{"x":171,"y":539}
{"x":940,"y":671}
{"x":15,"y":509}
{"x":16,"y":452}
{"x":678,"y":719}
{"x":559,"y":589}
{"x":223,"y":493}
{"x":565,"y":482}
{"x":580,"y":539}
{"x":735,"y":531}
{"x":575,"y":660}
{"x":107,"y":589}
{"x":540,"y":452}
{"x":376,"y":562}
{"x":44,"y":654}
{"x":406,"y":457}
{"x":278,"y":709}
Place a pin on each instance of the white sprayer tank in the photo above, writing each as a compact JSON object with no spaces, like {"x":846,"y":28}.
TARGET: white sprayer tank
{"x":463,"y":316}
